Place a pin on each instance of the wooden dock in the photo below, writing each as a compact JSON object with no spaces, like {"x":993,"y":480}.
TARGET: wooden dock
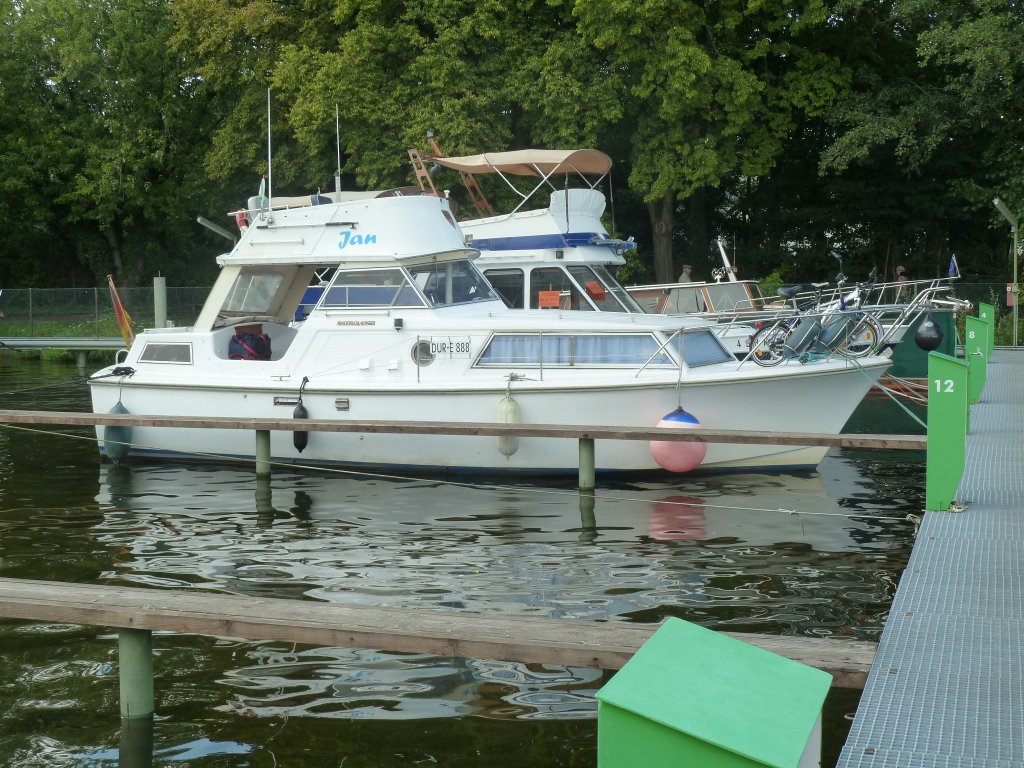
{"x":487,"y":429}
{"x":605,"y":645}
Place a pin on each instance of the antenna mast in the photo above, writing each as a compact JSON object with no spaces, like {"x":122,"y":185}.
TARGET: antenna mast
{"x":270,"y":175}
{"x":337,"y":139}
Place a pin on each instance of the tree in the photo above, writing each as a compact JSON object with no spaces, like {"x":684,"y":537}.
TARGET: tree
{"x":934,"y":106}
{"x":107,"y":126}
{"x":715,"y":91}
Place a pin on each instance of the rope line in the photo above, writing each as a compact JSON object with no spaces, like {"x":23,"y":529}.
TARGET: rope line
{"x":455,"y":483}
{"x":889,"y":394}
{"x":63,"y":383}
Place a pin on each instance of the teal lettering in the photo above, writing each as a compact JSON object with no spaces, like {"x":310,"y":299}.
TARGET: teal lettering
{"x":347,"y":238}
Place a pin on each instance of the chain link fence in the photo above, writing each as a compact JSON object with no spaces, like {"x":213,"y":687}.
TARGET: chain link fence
{"x":89,"y":312}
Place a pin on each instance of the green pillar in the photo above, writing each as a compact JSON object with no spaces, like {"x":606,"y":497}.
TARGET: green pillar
{"x":947,"y":429}
{"x":135,"y":658}
{"x":976,"y":355}
{"x":588,"y":520}
{"x":135,"y":749}
{"x":262,"y":453}
{"x":587,"y":482}
{"x":987,"y":313}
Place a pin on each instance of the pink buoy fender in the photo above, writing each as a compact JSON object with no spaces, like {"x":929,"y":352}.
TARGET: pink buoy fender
{"x":678,"y":456}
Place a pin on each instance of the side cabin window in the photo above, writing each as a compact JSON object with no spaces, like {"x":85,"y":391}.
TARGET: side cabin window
{"x":510,"y":285}
{"x":702,"y":347}
{"x":176,"y":352}
{"x":535,"y":349}
{"x":370,"y":288}
{"x":452,"y":282}
{"x":603,"y":289}
{"x":551,"y":288}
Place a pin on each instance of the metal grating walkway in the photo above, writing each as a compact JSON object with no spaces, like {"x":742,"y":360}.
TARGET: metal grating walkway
{"x":947,"y":685}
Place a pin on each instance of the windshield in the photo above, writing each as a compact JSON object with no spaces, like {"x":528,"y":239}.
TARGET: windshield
{"x":452,"y":282}
{"x":603,"y":289}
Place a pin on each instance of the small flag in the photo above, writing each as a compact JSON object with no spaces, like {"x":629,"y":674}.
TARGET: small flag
{"x":954,"y":268}
{"x":124,"y":320}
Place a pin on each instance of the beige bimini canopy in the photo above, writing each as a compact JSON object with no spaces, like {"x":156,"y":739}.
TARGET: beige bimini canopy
{"x":532,"y":162}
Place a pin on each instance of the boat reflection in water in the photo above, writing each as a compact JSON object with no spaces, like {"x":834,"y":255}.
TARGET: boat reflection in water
{"x":731,"y":555}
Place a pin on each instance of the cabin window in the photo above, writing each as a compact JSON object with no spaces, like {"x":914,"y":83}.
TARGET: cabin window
{"x":552,"y":288}
{"x":603,"y":289}
{"x":702,"y":347}
{"x":533,"y":349}
{"x":452,"y":282}
{"x":729,"y":297}
{"x":253,"y":293}
{"x":371,"y":288}
{"x":510,"y":285}
{"x":684,"y":299}
{"x":179,"y":353}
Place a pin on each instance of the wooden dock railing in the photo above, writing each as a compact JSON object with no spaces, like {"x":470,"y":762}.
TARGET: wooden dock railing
{"x":586,"y":435}
{"x":137,"y":612}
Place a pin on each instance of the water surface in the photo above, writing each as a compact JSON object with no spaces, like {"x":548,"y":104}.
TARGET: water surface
{"x":817,"y":553}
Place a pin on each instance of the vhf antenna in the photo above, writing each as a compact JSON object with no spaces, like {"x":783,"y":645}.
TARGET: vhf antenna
{"x":337,"y":139}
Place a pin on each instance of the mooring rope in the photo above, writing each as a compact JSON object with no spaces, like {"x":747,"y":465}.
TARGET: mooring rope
{"x":888,"y":394}
{"x":217,"y":457}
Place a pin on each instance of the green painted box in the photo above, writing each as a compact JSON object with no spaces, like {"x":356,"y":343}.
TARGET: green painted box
{"x":694,"y":697}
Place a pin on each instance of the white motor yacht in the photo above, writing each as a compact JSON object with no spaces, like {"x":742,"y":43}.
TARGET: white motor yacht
{"x":405,"y":328}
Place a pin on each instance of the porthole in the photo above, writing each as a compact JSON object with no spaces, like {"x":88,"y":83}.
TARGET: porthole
{"x":422,"y":354}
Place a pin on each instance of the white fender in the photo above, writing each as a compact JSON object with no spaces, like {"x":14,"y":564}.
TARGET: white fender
{"x":508,"y":413}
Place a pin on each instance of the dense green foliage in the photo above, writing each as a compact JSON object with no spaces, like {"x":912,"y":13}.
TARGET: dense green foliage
{"x":880,"y":129}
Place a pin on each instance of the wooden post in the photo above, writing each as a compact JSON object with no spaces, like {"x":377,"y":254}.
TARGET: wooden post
{"x":587,"y":482}
{"x":135,"y":656}
{"x":262,"y":453}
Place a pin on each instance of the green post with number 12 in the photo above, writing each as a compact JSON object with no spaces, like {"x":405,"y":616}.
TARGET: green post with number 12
{"x":947,"y":430}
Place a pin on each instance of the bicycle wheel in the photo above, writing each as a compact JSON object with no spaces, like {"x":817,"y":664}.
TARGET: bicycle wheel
{"x":862,"y":339}
{"x":767,"y":346}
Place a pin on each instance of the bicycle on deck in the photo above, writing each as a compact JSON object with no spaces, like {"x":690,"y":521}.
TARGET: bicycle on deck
{"x":836,"y":327}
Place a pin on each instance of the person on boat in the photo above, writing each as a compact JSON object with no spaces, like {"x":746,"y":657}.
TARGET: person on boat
{"x":686,"y":276}
{"x":901,"y":278}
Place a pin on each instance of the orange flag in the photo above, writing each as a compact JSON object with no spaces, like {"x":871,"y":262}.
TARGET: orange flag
{"x":124,"y":320}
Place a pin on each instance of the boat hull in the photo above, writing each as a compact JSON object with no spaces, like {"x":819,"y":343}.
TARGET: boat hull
{"x":818,"y":403}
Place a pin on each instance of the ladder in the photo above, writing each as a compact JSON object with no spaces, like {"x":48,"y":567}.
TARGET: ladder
{"x":426,"y":180}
